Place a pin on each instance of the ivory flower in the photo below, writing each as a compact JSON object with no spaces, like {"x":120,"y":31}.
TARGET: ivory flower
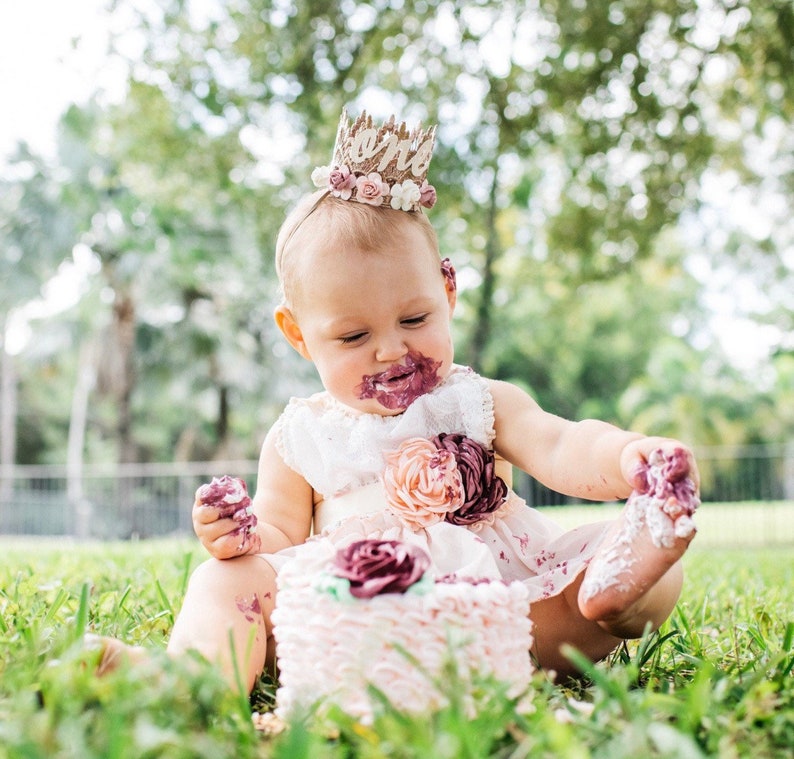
{"x":320,"y":176}
{"x":404,"y":196}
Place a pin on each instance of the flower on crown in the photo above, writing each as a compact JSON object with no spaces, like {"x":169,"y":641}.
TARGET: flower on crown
{"x":379,"y":165}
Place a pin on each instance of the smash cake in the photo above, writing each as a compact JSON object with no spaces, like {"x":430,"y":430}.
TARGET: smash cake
{"x":370,"y":622}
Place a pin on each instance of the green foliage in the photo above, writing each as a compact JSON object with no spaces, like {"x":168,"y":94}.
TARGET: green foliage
{"x":574,"y":143}
{"x":715,"y":681}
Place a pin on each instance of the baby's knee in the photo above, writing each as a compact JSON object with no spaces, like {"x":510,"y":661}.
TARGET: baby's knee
{"x":241,"y":573}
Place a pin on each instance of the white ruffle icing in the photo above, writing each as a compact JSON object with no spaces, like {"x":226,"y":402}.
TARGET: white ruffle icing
{"x":335,"y":649}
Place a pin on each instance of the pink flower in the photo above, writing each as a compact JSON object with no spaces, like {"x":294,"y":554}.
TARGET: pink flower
{"x":341,"y":182}
{"x":371,"y":189}
{"x":422,"y":483}
{"x":380,"y":566}
{"x":484,"y":490}
{"x":427,"y":195}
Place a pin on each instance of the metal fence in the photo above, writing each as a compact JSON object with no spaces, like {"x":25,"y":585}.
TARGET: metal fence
{"x":754,"y":483}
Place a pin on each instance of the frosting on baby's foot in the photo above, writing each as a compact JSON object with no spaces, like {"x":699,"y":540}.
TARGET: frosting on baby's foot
{"x":658,"y":515}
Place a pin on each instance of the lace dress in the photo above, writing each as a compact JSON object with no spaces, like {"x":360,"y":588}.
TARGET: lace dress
{"x":342,"y":454}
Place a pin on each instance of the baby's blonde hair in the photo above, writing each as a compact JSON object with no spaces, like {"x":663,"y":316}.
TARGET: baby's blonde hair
{"x":337,"y":222}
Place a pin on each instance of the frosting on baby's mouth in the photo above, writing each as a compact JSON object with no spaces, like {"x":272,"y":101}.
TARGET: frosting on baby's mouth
{"x":400,"y":385}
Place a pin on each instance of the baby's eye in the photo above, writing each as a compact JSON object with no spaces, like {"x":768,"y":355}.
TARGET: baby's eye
{"x":414,"y":321}
{"x":347,"y":339}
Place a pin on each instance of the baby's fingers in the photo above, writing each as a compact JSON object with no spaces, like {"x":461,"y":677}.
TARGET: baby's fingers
{"x":237,"y":540}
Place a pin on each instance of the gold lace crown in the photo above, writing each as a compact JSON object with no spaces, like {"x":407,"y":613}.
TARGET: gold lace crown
{"x":379,"y":165}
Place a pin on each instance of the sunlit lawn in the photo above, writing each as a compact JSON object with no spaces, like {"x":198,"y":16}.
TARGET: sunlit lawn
{"x":716,"y":681}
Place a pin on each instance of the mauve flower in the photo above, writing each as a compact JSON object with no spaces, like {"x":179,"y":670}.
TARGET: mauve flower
{"x":484,"y":490}
{"x":371,"y":189}
{"x":427,"y":195}
{"x":422,"y":483}
{"x":341,"y":182}
{"x":380,"y":566}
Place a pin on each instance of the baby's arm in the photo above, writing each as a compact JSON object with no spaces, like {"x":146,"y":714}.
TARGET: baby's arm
{"x":587,"y":459}
{"x":282,"y":505}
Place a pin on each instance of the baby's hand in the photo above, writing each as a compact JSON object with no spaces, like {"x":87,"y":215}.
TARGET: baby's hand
{"x":223,"y":519}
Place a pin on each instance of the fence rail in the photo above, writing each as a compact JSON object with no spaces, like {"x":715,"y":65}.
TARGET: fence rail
{"x":147,"y":500}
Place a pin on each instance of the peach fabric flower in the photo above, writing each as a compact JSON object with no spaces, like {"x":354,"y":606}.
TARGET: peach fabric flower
{"x":371,"y":189}
{"x":422,"y":483}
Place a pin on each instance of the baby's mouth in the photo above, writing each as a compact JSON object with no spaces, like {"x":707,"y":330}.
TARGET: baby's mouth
{"x":393,"y":379}
{"x":399,"y":386}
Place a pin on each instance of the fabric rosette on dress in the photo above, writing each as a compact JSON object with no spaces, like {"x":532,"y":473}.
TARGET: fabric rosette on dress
{"x":449,"y":478}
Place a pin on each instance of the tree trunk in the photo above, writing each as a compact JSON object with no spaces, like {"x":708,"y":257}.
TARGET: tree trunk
{"x":8,"y":418}
{"x":78,"y":420}
{"x":124,"y":337}
{"x":483,"y":322}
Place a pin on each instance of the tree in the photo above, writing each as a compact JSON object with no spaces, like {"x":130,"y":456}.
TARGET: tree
{"x":34,"y":238}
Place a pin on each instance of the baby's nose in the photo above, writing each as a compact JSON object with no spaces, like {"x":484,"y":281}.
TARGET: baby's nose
{"x":390,"y":348}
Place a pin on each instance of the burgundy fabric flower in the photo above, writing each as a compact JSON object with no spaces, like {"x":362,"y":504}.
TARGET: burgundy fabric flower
{"x":484,"y":490}
{"x":380,"y":566}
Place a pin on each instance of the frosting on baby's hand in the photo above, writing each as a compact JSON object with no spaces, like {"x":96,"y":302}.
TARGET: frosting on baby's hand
{"x":229,"y":495}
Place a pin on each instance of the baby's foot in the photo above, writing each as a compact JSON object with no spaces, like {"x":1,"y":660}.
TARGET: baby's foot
{"x":114,"y":653}
{"x":651,"y":534}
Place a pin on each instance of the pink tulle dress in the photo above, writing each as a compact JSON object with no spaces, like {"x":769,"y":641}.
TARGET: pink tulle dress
{"x":378,"y":479}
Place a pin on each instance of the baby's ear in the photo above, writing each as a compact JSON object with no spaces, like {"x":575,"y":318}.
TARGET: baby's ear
{"x":285,"y":321}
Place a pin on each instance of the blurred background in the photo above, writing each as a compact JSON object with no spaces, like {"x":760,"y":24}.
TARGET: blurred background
{"x":615,"y":184}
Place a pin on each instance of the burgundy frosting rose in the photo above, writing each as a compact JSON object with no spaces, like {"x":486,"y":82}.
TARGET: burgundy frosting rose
{"x":380,"y":566}
{"x":484,"y":490}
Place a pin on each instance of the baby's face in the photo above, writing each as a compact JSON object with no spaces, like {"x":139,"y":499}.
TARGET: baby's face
{"x":377,"y":324}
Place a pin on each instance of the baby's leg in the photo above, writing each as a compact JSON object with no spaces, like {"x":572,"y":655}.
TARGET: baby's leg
{"x":558,"y":621}
{"x":225,"y":616}
{"x":635,"y":576}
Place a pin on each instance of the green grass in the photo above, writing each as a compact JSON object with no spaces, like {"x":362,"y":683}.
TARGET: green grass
{"x":716,"y":681}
